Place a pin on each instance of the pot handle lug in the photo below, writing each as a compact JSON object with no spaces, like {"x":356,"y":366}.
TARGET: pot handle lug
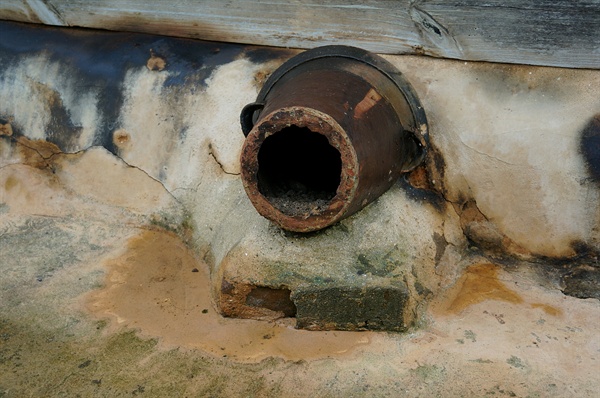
{"x":249,"y":116}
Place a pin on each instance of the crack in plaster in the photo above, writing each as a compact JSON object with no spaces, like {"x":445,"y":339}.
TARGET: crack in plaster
{"x":49,"y":158}
{"x":486,"y":154}
{"x":212,"y":154}
{"x":147,"y":174}
{"x":40,"y":153}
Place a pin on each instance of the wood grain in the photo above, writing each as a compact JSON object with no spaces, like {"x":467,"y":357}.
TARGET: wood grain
{"x":562,"y":33}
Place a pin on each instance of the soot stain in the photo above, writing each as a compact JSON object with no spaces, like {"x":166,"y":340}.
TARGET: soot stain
{"x":440,"y":246}
{"x":100,"y":60}
{"x":589,"y":146}
{"x":421,"y":194}
{"x":61,"y":130}
{"x":582,"y":283}
{"x":260,"y":55}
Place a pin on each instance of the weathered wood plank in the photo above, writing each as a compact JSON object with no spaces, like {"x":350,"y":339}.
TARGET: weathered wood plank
{"x":562,"y":33}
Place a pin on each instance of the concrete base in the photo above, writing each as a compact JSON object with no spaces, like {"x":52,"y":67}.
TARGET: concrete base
{"x":369,"y":272}
{"x":112,"y":308}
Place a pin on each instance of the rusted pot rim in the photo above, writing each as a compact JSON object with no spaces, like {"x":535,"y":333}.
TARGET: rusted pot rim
{"x":418,"y":124}
{"x":329,"y":127}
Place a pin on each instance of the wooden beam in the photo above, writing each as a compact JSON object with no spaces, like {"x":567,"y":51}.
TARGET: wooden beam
{"x":562,"y":33}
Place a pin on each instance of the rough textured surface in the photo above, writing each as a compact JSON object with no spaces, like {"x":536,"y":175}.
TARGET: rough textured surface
{"x":488,"y":180}
{"x":361,"y":308}
{"x":519,"y":159}
{"x":501,"y":219}
{"x":106,"y":308}
{"x":386,"y":246}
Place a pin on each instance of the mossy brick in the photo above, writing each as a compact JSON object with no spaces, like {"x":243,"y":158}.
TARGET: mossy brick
{"x":370,"y":307}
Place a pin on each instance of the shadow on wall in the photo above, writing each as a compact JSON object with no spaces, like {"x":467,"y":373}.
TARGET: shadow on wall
{"x":590,"y":147}
{"x":584,"y":281}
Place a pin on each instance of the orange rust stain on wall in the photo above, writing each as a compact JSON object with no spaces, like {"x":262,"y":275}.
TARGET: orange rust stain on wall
{"x":155,"y":62}
{"x":121,"y":138}
{"x":6,"y":129}
{"x":10,"y":183}
{"x":479,"y":283}
{"x":548,"y":309}
{"x":45,"y":148}
{"x":158,"y":287}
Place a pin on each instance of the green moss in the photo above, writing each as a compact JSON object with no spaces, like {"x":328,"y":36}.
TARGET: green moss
{"x":183,"y":226}
{"x":38,"y":363}
{"x":480,"y":360}
{"x":515,"y":362}
{"x":384,"y":262}
{"x":470,"y":335}
{"x":429,"y":373}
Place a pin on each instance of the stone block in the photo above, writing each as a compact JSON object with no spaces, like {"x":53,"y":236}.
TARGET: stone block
{"x":370,"y":307}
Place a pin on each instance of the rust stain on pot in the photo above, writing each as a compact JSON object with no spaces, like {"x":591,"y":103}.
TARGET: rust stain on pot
{"x":331,"y":130}
{"x":370,"y":100}
{"x":160,"y":288}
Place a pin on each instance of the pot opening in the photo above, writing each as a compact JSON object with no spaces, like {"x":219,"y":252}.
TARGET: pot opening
{"x":298,"y":171}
